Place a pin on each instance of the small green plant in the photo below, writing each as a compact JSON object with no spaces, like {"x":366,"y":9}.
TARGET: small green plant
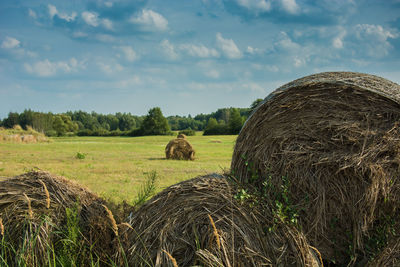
{"x":269,"y":191}
{"x":242,"y":195}
{"x":80,"y":155}
{"x":147,"y":189}
{"x":70,"y":242}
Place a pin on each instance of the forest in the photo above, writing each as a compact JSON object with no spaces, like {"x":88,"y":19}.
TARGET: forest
{"x":82,"y":123}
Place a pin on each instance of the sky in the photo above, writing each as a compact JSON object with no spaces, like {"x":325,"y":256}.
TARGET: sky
{"x":185,"y":56}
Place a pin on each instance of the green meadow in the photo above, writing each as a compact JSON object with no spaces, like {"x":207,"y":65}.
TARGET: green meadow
{"x":116,"y":167}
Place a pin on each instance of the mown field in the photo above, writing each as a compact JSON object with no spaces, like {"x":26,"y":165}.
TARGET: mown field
{"x":115,"y":167}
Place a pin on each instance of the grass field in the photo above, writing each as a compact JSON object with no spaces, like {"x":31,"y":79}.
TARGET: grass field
{"x":115,"y":167}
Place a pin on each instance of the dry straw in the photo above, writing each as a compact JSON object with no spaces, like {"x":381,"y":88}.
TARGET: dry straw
{"x":174,"y":263}
{"x":47,"y":194}
{"x":179,"y":149}
{"x":215,"y":231}
{"x":183,"y":136}
{"x":23,"y":195}
{"x":177,"y":220}
{"x":30,"y":212}
{"x":110,"y":216}
{"x":1,"y":227}
{"x":332,"y":139}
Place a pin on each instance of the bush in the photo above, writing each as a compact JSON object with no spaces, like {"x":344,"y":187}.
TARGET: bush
{"x":188,"y":132}
{"x":51,"y":133}
{"x":80,"y":155}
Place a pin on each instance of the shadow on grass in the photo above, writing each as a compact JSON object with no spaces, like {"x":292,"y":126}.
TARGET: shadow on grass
{"x":157,"y":159}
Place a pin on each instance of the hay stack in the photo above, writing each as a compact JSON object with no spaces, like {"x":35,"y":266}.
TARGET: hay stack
{"x":33,"y":212}
{"x":183,"y":136}
{"x":199,"y":222}
{"x":179,"y":149}
{"x":334,"y":137}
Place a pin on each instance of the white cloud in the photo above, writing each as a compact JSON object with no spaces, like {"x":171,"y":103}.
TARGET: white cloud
{"x":290,"y":6}
{"x":338,"y":40}
{"x":199,"y":50}
{"x":106,"y":38}
{"x":10,"y":42}
{"x":129,"y":53}
{"x":212,"y":74}
{"x":254,"y":87}
{"x":169,"y":50}
{"x":298,"y":61}
{"x":108,"y":4}
{"x":91,"y":18}
{"x":376,"y":31}
{"x":128,"y":83}
{"x":109,"y":69}
{"x":79,"y":34}
{"x":53,"y":12}
{"x":375,"y":39}
{"x":253,"y":51}
{"x":32,"y":14}
{"x":286,"y":43}
{"x":46,"y":68}
{"x":228,"y":47}
{"x":107,"y":24}
{"x":150,"y":20}
{"x":13,"y":45}
{"x":255,"y":5}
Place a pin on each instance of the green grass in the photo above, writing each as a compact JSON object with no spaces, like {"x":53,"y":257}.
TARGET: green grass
{"x":115,"y":167}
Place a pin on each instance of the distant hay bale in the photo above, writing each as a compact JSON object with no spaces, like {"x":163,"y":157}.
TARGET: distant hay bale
{"x":179,"y":149}
{"x":29,"y":138}
{"x":335,"y":138}
{"x":33,"y":209}
{"x":17,"y":127}
{"x":14,"y":138}
{"x":200,"y":223}
{"x":183,"y":136}
{"x":18,"y":135}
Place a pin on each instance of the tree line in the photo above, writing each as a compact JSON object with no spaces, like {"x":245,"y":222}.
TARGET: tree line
{"x":81,"y":123}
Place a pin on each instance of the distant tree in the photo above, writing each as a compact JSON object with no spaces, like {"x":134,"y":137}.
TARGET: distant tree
{"x":63,"y":124}
{"x":154,"y":124}
{"x":126,"y":121}
{"x":214,"y":128}
{"x":11,"y":120}
{"x":255,"y":104}
{"x":235,"y":122}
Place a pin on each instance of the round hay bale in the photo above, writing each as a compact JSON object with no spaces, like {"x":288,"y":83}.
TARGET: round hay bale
{"x":181,"y":135}
{"x":179,"y":149}
{"x":333,"y":138}
{"x":38,"y":210}
{"x":199,"y":222}
{"x":29,"y":138}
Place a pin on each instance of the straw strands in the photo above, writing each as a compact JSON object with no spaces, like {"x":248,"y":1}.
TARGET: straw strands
{"x":335,"y":138}
{"x":199,"y":222}
{"x":33,"y":209}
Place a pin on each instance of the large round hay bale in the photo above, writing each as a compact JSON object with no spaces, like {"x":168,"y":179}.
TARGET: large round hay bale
{"x":179,"y":149}
{"x":200,"y":222}
{"x":333,"y":140}
{"x":181,"y":135}
{"x":44,"y":215}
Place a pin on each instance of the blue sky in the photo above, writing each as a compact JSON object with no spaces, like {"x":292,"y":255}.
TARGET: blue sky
{"x":187,"y":57}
